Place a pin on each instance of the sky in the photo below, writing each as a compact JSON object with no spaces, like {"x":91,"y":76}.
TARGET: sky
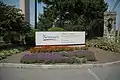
{"x":32,"y":8}
{"x":110,"y":6}
{"x":40,"y":8}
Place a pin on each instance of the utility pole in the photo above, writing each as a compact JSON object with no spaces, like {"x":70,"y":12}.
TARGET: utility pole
{"x":35,"y":14}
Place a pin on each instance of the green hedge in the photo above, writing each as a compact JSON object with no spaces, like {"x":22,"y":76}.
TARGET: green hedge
{"x":67,"y":60}
{"x":30,"y":37}
{"x":55,"y":29}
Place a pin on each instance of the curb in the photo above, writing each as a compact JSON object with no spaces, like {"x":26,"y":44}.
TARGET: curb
{"x":55,"y":66}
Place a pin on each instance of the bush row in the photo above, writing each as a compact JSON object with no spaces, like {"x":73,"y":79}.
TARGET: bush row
{"x":104,"y":44}
{"x":5,"y":53}
{"x":78,"y":53}
{"x":51,"y":59}
{"x":55,"y":29}
{"x":77,"y":56}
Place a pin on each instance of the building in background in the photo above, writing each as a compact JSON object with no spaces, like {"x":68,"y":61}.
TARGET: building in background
{"x":25,"y":7}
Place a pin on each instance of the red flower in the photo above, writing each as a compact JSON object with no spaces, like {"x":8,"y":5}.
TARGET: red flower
{"x":54,"y":48}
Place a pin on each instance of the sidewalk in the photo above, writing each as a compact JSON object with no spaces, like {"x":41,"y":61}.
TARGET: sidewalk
{"x":103,"y":56}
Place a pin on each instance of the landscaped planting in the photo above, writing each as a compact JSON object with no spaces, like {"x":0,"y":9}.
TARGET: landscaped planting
{"x":9,"y":52}
{"x":104,"y":44}
{"x":55,"y":49}
{"x":79,"y":54}
{"x":58,"y":54}
{"x":41,"y":58}
{"x":49,"y":58}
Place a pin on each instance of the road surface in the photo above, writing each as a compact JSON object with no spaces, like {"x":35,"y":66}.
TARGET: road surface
{"x":100,"y":73}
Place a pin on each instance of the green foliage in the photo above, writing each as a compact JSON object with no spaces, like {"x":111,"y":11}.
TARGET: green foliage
{"x":43,"y":24}
{"x":11,"y":20}
{"x":11,"y":37}
{"x":30,"y":37}
{"x":104,"y":44}
{"x":9,"y":52}
{"x":15,"y":38}
{"x":87,"y":14}
{"x":74,"y":28}
{"x":68,"y":60}
{"x":55,"y":29}
{"x":7,"y":38}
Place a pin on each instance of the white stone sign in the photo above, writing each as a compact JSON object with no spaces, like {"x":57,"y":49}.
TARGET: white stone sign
{"x":60,"y":38}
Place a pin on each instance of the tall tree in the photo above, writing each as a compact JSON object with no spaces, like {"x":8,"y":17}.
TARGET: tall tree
{"x":11,"y":20}
{"x":81,"y":14}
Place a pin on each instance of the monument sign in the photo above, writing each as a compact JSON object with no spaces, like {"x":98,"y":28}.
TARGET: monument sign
{"x":60,"y":38}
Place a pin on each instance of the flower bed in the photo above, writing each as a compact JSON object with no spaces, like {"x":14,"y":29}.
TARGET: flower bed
{"x":49,"y":58}
{"x":58,"y":54}
{"x":55,"y":49}
{"x":70,"y":57}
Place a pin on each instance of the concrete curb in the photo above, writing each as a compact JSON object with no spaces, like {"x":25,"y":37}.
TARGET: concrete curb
{"x":55,"y":66}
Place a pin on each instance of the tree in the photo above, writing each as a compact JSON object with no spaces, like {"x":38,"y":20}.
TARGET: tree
{"x":86,"y":14}
{"x":11,"y":20}
{"x":44,"y":24}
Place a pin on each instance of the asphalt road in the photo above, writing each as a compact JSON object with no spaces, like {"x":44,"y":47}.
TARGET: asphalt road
{"x":100,"y":73}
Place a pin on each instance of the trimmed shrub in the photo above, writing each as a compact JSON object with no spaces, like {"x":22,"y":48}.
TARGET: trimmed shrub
{"x":81,"y":56}
{"x":30,"y":38}
{"x":2,"y":55}
{"x":9,"y":52}
{"x":48,"y":58}
{"x":104,"y":44}
{"x":78,"y":54}
{"x":41,"y":58}
{"x":6,"y":52}
{"x":55,"y":29}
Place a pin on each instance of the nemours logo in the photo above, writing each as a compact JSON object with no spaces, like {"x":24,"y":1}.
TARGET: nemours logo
{"x":46,"y":38}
